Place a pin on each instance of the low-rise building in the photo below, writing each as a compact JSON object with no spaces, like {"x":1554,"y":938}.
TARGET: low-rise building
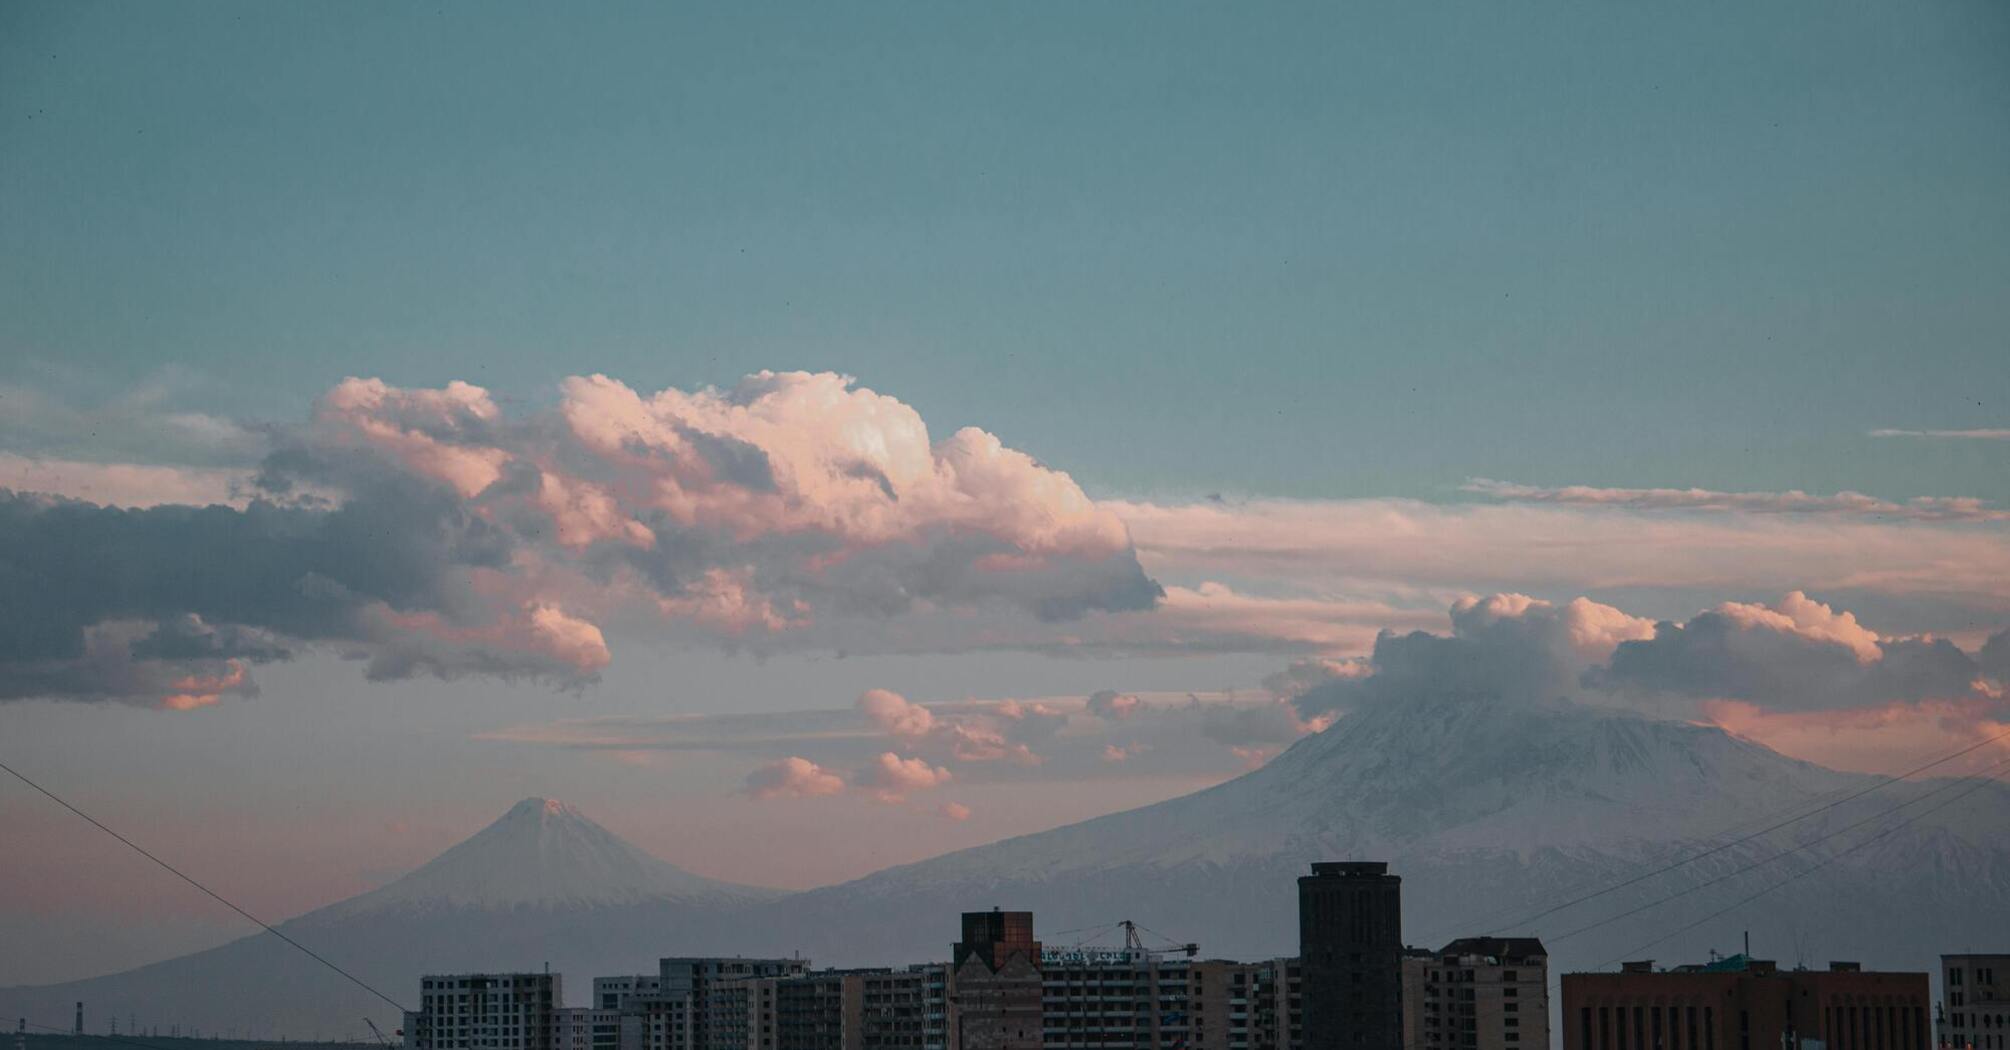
{"x":1742,"y":1003}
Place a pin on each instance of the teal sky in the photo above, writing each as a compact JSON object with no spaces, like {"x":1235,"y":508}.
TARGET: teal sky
{"x":1335,"y":250}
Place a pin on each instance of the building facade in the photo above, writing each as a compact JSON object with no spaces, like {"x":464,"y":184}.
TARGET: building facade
{"x":996,"y":991}
{"x":1477,"y":993}
{"x":1741,"y":1003}
{"x":485,"y":1011}
{"x":1350,"y":950}
{"x":1975,"y":1013}
{"x":585,"y":1028}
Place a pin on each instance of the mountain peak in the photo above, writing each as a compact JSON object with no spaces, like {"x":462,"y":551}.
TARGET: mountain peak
{"x":537,"y":807}
{"x":543,"y":853}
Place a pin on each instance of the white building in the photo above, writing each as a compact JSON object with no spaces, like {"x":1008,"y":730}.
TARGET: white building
{"x":1975,"y":1015}
{"x":485,"y":1011}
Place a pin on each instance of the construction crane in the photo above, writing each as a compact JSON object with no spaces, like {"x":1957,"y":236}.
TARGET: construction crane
{"x":378,"y":1032}
{"x":1133,"y":942}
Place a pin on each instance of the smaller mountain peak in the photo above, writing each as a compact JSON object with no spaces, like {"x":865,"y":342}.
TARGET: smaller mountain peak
{"x":538,"y":806}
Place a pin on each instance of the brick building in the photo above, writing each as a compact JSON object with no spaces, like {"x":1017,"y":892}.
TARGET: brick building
{"x":996,"y":992}
{"x":1741,"y":1003}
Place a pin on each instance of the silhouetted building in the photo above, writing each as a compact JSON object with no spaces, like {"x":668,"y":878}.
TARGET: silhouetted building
{"x":1975,"y":1015}
{"x":1350,"y":948}
{"x":1742,"y":1003}
{"x":995,"y":988}
{"x":1478,"y":993}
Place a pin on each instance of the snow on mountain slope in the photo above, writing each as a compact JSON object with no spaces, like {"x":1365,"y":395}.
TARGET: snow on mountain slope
{"x":542,"y":854}
{"x":1491,"y":812}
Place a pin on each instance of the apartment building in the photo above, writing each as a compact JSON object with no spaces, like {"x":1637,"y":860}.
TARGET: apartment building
{"x":1477,"y":993}
{"x":485,"y":1011}
{"x":1975,"y":1011}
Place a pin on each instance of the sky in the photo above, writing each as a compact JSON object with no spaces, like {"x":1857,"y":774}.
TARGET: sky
{"x":808,"y":439}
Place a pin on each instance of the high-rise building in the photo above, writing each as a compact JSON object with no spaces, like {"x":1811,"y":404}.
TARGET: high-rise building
{"x":1350,"y":949}
{"x":1131,"y":999}
{"x":1742,"y":1003}
{"x":1478,"y":993}
{"x":1975,"y":1015}
{"x":712,"y":1002}
{"x":995,"y":988}
{"x":485,"y":1011}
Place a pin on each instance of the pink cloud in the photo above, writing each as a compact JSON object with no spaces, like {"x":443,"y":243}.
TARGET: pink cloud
{"x":196,"y":691}
{"x":727,"y":600}
{"x":1397,"y":546}
{"x":1793,"y":501}
{"x":585,"y":514}
{"x":895,"y":716}
{"x":831,"y":458}
{"x":121,"y":484}
{"x":1112,"y":705}
{"x":566,"y":644}
{"x":423,"y":428}
{"x":890,"y":777}
{"x":956,"y":811}
{"x":792,"y":777}
{"x":1890,"y":738}
{"x":1800,"y":615}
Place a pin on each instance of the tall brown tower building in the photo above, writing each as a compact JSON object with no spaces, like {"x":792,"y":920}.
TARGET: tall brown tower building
{"x":995,"y":983}
{"x":1350,"y":949}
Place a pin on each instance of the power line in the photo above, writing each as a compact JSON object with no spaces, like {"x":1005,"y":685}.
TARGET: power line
{"x":172,"y":870}
{"x":1721,"y":847}
{"x":1880,"y":815}
{"x":1974,"y":783}
{"x":1981,"y":780}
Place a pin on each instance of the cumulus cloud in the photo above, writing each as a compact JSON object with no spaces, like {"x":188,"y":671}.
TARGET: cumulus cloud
{"x":430,"y":532}
{"x":890,"y":777}
{"x":984,"y":732}
{"x":1112,"y":705}
{"x":792,"y":777}
{"x":1787,"y":671}
{"x":1795,"y":655}
{"x":954,"y":811}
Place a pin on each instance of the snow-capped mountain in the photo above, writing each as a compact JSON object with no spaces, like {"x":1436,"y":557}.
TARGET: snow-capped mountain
{"x":541,"y":854}
{"x":544,"y":885}
{"x":1492,"y":813}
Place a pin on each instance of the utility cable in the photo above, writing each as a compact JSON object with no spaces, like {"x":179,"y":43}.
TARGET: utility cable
{"x":172,"y":870}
